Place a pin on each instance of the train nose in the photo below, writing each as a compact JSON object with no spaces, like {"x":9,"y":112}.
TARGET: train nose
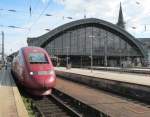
{"x":49,"y":82}
{"x":44,"y":79}
{"x":45,"y":82}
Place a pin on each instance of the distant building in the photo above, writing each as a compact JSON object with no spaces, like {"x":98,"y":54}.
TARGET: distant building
{"x":105,"y":43}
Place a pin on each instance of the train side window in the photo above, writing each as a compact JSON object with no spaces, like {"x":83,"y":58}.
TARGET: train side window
{"x":30,"y":58}
{"x":14,"y":60}
{"x":20,"y":56}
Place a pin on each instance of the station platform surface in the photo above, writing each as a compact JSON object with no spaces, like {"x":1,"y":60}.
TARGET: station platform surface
{"x":117,"y":76}
{"x":117,"y":68}
{"x":11,"y":104}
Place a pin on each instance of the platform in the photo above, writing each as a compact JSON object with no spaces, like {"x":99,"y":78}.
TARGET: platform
{"x":136,"y":70}
{"x":107,"y":103}
{"x":116,"y":76}
{"x":118,"y":68}
{"x":11,"y":104}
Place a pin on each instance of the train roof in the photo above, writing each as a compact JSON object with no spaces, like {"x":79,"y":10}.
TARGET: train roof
{"x":31,"y":48}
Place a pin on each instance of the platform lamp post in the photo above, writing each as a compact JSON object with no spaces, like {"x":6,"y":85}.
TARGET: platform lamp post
{"x":3,"y":47}
{"x":67,"y":57}
{"x":91,"y":37}
{"x":120,"y":57}
{"x":57,"y":53}
{"x":105,"y":52}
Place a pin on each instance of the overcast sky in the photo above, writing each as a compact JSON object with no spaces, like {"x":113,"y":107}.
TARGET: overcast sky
{"x":32,"y":24}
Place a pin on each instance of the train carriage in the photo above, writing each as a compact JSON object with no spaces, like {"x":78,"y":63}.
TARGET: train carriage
{"x":34,"y":70}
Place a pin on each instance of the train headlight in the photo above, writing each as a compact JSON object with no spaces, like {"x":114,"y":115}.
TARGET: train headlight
{"x":31,"y":73}
{"x":51,"y":72}
{"x":52,"y":79}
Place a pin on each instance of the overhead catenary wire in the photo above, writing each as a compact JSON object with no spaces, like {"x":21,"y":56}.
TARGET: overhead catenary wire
{"x":35,"y":7}
{"x":39,"y":16}
{"x":32,"y":10}
{"x":13,"y":11}
{"x":12,"y":26}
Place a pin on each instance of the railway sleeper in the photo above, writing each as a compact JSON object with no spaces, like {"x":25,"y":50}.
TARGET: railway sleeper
{"x":52,"y":111}
{"x":54,"y":114}
{"x":48,"y":106}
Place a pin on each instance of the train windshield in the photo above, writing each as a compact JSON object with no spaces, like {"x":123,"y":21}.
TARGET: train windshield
{"x":36,"y":58}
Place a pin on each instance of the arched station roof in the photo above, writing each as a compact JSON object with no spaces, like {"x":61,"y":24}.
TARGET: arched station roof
{"x":43,"y":40}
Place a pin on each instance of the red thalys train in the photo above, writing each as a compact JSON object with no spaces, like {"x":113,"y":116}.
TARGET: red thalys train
{"x":33,"y":69}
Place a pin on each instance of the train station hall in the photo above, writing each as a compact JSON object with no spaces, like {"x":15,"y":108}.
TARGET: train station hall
{"x":94,"y":41}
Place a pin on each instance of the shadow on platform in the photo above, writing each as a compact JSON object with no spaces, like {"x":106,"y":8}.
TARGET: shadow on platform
{"x":6,"y":78}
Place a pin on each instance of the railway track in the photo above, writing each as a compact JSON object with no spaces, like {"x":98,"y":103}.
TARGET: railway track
{"x":60,"y":104}
{"x":54,"y":105}
{"x":51,"y":106}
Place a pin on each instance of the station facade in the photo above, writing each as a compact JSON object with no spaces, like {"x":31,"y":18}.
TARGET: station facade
{"x":93,"y":41}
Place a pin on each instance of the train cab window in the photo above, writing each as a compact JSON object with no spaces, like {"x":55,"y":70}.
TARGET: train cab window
{"x":35,"y":58}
